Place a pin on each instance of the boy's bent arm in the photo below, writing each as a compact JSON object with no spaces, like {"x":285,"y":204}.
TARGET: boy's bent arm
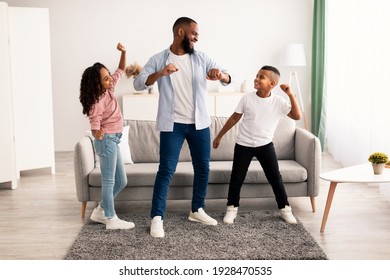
{"x":295,"y":112}
{"x":234,"y":118}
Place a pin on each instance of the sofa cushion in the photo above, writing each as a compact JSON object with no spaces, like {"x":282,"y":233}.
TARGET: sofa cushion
{"x":140,"y":174}
{"x":225,"y":150}
{"x":283,"y":139}
{"x":144,"y":141}
{"x":291,"y":171}
{"x":144,"y":174}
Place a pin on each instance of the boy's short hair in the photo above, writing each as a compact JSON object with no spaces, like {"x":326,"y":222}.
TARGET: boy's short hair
{"x":271,"y":68}
{"x":275,"y":75}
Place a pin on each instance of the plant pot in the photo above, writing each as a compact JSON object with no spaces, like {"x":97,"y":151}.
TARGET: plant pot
{"x":378,"y":168}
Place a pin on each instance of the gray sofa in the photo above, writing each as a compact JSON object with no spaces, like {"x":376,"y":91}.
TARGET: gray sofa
{"x":298,"y":151}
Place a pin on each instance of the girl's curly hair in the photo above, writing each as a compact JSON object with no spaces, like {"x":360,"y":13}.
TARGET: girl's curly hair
{"x":91,"y":87}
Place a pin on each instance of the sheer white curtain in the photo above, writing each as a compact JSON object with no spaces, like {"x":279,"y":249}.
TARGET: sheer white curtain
{"x":357,"y":79}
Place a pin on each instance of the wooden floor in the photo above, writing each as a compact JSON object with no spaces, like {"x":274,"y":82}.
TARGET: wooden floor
{"x":41,"y":218}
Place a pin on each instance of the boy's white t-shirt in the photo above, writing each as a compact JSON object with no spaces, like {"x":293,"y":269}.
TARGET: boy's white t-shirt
{"x":260,"y":118}
{"x":182,"y":85}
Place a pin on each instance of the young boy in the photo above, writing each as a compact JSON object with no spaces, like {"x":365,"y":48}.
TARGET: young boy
{"x":261,"y":111}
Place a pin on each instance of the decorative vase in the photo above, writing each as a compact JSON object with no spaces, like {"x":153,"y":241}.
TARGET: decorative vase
{"x":246,"y":86}
{"x":378,"y":168}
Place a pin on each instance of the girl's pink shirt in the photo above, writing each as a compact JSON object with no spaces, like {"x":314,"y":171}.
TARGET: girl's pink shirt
{"x":106,"y":113}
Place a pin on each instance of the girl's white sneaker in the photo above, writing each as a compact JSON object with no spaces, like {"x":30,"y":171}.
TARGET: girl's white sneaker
{"x":98,"y":215}
{"x":116,"y":223}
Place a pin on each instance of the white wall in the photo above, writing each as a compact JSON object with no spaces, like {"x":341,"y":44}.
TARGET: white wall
{"x":241,"y":35}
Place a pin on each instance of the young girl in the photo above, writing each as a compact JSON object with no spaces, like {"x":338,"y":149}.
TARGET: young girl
{"x":102,"y":108}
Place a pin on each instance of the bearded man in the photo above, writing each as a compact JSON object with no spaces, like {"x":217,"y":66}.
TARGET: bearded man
{"x":182,"y":73}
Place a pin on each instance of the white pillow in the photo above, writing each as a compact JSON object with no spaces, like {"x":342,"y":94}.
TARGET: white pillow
{"x":123,"y":145}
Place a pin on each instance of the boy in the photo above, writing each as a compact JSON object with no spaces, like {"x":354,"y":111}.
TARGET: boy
{"x":261,"y":111}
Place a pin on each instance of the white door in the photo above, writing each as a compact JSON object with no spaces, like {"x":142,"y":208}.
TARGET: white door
{"x":31,"y":87}
{"x":7,"y":149}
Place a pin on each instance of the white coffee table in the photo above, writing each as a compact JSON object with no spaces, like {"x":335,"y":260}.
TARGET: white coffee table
{"x":362,"y":173}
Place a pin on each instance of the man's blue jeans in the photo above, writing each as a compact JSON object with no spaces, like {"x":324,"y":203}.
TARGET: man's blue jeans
{"x":170,"y":147}
{"x":112,"y":169}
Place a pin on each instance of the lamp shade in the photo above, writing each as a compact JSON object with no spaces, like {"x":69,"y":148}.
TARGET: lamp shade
{"x":293,"y":55}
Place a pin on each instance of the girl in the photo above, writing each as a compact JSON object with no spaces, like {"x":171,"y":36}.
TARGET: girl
{"x":100,"y":105}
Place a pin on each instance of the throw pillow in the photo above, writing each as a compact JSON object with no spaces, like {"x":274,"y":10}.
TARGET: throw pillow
{"x":125,"y":147}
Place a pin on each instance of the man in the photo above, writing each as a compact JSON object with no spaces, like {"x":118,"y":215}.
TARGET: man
{"x":181,"y":73}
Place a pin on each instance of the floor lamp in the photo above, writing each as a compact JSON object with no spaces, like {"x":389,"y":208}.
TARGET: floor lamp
{"x":294,"y":55}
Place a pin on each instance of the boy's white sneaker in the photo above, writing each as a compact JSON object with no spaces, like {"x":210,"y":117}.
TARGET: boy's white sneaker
{"x":116,"y":223}
{"x":286,"y":214}
{"x":98,"y":215}
{"x":156,"y":227}
{"x":202,"y":217}
{"x":231,"y":214}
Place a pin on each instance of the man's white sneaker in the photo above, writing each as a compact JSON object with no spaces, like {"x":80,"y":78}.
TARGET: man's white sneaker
{"x":98,"y":215}
{"x":116,"y":223}
{"x":286,"y":214}
{"x":202,"y":217}
{"x":156,"y":227}
{"x":231,"y":214}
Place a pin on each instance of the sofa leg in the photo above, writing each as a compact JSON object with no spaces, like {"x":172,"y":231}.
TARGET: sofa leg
{"x":313,"y":203}
{"x":83,"y":209}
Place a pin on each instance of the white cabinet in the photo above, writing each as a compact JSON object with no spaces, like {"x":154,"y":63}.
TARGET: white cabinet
{"x":27,"y":113}
{"x":144,"y":106}
{"x":225,"y":103}
{"x":140,"y":106}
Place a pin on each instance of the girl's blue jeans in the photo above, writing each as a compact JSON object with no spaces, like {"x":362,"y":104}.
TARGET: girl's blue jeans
{"x":112,"y":171}
{"x":170,"y":147}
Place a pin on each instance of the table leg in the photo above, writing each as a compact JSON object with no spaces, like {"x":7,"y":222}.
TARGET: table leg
{"x":332,"y":189}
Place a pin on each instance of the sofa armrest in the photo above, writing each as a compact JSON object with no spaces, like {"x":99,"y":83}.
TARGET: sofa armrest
{"x":308,"y":154}
{"x":84,"y":163}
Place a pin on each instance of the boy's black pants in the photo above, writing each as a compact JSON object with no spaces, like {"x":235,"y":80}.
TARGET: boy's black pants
{"x":266,"y":155}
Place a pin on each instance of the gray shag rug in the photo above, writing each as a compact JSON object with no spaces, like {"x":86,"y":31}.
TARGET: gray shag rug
{"x":255,"y":235}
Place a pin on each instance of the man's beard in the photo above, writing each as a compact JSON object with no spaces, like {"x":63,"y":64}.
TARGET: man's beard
{"x":186,"y":44}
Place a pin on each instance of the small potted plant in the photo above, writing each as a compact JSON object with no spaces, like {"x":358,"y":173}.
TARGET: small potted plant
{"x":378,"y":161}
